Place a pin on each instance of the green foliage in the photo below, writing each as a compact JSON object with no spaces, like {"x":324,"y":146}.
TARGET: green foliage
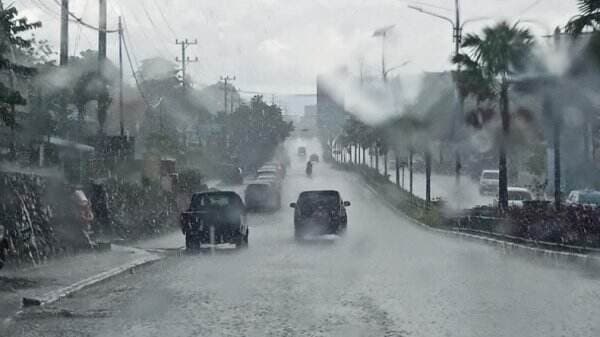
{"x":501,"y":50}
{"x":253,"y":132}
{"x":588,"y":18}
{"x":536,"y":163}
{"x":190,"y":181}
{"x":11,"y":26}
{"x":164,"y":143}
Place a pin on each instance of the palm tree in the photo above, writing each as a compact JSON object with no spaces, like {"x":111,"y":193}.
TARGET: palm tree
{"x":589,"y":17}
{"x":500,"y":51}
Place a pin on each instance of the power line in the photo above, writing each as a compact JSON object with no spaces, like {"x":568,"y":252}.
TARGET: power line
{"x":126,"y":31}
{"x":145,"y":36}
{"x":162,"y":14}
{"x":133,"y":73}
{"x":149,"y":17}
{"x":79,"y":31}
{"x":45,"y":9}
{"x":83,"y":23}
{"x":531,"y":6}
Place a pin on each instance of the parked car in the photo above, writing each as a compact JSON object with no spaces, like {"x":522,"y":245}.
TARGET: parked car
{"x":517,"y":196}
{"x":488,"y":182}
{"x":584,"y":197}
{"x":262,"y":195}
{"x":302,"y":151}
{"x":319,"y":213}
{"x":223,"y":211}
{"x":314,"y":158}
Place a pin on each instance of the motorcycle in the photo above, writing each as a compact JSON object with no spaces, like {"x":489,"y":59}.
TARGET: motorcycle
{"x":309,"y":169}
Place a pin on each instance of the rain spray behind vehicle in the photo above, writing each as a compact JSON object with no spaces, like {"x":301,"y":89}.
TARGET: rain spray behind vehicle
{"x":319,"y":213}
{"x":214,"y":218}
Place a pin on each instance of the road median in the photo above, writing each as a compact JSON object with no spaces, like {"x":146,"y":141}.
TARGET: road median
{"x":432,"y":219}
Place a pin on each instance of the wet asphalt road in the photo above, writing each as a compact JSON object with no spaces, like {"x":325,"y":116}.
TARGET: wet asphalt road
{"x":387,"y":277}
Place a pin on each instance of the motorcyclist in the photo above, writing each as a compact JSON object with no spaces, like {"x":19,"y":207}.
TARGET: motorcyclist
{"x":309,"y":166}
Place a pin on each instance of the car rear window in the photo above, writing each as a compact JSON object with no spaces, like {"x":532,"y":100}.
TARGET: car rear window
{"x":324,"y":198}
{"x":208,"y":200}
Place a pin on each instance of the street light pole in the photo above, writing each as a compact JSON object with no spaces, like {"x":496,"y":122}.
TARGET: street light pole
{"x":457,"y":29}
{"x":382,"y":32}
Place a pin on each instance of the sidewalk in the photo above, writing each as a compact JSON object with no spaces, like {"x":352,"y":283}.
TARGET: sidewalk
{"x":59,"y":277}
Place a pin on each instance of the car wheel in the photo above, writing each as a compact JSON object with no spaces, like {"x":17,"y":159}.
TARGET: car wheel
{"x":242,"y":240}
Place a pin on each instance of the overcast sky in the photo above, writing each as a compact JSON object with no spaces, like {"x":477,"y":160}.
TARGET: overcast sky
{"x":281,"y":45}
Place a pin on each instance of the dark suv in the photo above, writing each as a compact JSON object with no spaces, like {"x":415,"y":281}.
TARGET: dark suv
{"x":319,"y":213}
{"x":222,"y":211}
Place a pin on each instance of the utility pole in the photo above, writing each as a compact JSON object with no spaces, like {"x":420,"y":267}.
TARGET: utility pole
{"x":121,"y":118}
{"x":226,"y":79}
{"x":457,"y":33}
{"x":64,"y":33}
{"x":185,"y":59}
{"x":102,"y":38}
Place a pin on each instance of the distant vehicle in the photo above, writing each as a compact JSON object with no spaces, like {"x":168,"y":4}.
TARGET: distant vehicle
{"x":314,"y":158}
{"x":517,"y":196}
{"x":223,"y":211}
{"x":277,"y":165}
{"x":270,"y":170}
{"x":302,"y":151}
{"x":488,"y":182}
{"x":309,"y":169}
{"x":319,"y":213}
{"x":584,"y":197}
{"x":262,"y":195}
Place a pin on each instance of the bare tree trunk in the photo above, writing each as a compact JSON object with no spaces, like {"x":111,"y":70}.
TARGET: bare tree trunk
{"x":458,"y":168}
{"x":410,"y":171}
{"x":385,"y":163}
{"x":428,"y":177}
{"x":397,"y":170}
{"x":502,"y":167}
{"x":364,"y":157}
{"x":586,"y":142}
{"x":377,"y":158}
{"x":556,"y":132}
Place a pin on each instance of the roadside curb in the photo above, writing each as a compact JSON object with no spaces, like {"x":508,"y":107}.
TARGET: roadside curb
{"x":585,"y":258}
{"x":56,"y":295}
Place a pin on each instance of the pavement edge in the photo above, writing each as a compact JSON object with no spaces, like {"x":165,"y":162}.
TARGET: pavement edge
{"x":54,"y":296}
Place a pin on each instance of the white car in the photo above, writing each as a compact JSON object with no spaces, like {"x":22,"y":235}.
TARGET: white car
{"x":584,"y":197}
{"x":517,"y":195}
{"x":488,"y":182}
